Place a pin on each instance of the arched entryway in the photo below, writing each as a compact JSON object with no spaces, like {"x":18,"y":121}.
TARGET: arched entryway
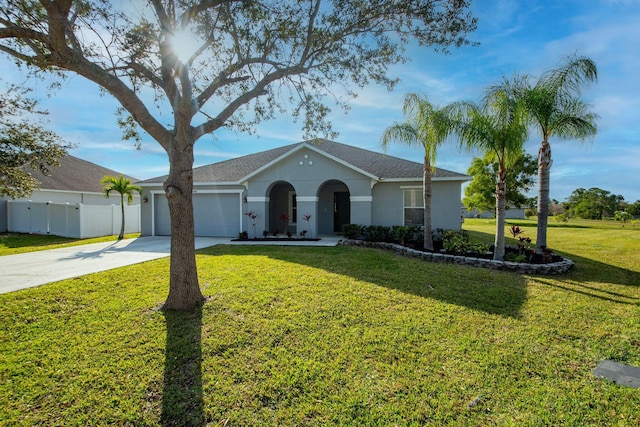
{"x":283,"y":208}
{"x":334,"y":207}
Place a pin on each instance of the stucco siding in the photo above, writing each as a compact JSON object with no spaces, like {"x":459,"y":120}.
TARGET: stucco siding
{"x":446,"y":206}
{"x":308,"y":178}
{"x":388,"y":201}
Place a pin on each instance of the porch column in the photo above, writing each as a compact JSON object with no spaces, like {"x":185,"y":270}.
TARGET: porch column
{"x":307,"y":205}
{"x":361,"y":207}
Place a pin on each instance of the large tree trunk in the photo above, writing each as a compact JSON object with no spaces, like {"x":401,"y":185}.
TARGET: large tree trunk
{"x":501,"y":204}
{"x":184,"y":289}
{"x":426,"y":187}
{"x":544,"y":168}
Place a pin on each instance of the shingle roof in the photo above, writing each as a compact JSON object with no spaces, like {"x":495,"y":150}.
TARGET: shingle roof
{"x":74,"y":174}
{"x":377,"y":164}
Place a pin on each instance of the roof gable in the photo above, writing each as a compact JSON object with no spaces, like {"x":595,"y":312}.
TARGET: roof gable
{"x":314,"y":148}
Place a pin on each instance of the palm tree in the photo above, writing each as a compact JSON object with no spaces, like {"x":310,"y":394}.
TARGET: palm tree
{"x":498,"y":127}
{"x":427,"y":126}
{"x":556,"y":110}
{"x":122,"y":186}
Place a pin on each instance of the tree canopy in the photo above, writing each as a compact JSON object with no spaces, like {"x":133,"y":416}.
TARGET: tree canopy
{"x":634,"y":208}
{"x":480,"y":193}
{"x":593,"y":203}
{"x":246,"y":61}
{"x":25,"y":143}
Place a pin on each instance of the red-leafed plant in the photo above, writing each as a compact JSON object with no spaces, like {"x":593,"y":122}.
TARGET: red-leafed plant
{"x":284,"y":217}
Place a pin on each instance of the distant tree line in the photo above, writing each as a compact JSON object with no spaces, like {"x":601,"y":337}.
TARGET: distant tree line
{"x":596,"y":203}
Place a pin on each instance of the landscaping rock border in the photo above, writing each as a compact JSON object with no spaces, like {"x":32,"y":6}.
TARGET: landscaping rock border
{"x":560,"y":267}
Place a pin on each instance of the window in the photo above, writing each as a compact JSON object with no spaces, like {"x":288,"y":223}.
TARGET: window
{"x":413,"y":207}
{"x":293,"y":208}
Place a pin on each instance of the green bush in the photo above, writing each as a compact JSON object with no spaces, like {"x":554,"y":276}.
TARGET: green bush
{"x":401,"y":233}
{"x":351,"y":231}
{"x":455,"y":241}
{"x":377,"y":233}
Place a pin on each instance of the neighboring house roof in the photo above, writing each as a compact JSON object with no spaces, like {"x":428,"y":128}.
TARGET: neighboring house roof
{"x":74,"y":174}
{"x":378,"y":165}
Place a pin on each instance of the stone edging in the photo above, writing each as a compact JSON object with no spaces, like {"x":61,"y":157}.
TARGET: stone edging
{"x":518,"y":267}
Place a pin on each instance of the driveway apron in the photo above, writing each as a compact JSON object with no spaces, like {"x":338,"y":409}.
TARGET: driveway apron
{"x":31,"y":269}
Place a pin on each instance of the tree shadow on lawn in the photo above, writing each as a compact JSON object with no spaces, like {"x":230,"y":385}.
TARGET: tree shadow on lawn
{"x":585,"y":269}
{"x":489,"y":291}
{"x":584,"y":278}
{"x":182,"y":399}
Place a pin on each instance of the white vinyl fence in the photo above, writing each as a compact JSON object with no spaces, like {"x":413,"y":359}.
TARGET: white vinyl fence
{"x":70,"y":220}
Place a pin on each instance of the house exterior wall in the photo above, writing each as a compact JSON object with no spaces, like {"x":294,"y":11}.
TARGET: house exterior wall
{"x":388,"y":203}
{"x":445,"y":205}
{"x":314,"y":182}
{"x":221,"y":210}
{"x":308,"y":178}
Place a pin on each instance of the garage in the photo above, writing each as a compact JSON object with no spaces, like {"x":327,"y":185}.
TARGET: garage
{"x":215,"y":214}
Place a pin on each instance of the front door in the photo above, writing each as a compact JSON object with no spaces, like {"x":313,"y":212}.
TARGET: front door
{"x":341,"y":210}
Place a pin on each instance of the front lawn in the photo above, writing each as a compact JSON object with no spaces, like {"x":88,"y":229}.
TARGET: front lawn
{"x":330,"y":336}
{"x":17,"y":243}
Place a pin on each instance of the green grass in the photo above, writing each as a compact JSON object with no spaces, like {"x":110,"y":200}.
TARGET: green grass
{"x":330,"y":336}
{"x":16,"y":243}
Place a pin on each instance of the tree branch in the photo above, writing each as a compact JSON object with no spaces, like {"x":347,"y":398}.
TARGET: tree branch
{"x":260,"y":89}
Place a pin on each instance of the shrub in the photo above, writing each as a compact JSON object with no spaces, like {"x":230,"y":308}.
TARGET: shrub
{"x":377,"y":233}
{"x":352,"y":231}
{"x":400,"y":233}
{"x":455,"y":241}
{"x":514,"y":257}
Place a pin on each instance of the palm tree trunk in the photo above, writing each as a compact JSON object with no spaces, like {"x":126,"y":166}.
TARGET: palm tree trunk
{"x":121,"y":235}
{"x":501,"y":204}
{"x":544,"y":175}
{"x":184,"y":289}
{"x":426,"y":187}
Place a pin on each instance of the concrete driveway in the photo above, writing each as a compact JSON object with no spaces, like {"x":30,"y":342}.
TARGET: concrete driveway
{"x":31,"y":269}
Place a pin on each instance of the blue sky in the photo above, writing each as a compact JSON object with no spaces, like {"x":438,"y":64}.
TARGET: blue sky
{"x":521,"y":36}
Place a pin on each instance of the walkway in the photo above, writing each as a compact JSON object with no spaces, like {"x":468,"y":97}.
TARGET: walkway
{"x":31,"y":269}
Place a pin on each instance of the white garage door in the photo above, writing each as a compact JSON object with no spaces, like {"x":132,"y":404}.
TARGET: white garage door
{"x":215,"y":215}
